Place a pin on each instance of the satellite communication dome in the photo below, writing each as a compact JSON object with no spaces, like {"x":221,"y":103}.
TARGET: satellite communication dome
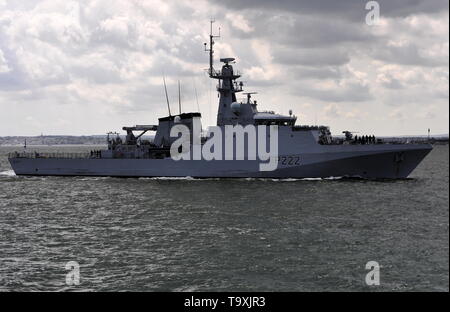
{"x":236,"y":108}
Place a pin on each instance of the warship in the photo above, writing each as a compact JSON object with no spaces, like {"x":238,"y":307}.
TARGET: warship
{"x":302,"y":151}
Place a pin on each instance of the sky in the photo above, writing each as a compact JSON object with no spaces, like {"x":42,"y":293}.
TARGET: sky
{"x":89,"y":67}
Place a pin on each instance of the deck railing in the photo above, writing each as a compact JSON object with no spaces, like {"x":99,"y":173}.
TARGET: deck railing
{"x":51,"y":155}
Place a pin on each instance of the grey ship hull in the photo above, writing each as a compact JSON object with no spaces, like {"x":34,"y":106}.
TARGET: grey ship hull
{"x":389,"y":161}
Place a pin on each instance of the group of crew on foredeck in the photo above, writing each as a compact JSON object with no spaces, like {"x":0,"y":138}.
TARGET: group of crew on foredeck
{"x":96,"y":154}
{"x":365,"y":139}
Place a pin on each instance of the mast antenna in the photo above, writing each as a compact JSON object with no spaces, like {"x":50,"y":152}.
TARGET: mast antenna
{"x":211,"y":48}
{"x":196,"y":95}
{"x":249,"y":95}
{"x":179,"y":96}
{"x":167,"y":97}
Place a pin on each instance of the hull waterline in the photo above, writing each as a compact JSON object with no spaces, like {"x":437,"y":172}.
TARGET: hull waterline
{"x":396,"y":162}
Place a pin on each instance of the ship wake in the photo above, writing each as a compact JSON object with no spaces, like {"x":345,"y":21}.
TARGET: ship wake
{"x":242,"y":179}
{"x":8,"y":173}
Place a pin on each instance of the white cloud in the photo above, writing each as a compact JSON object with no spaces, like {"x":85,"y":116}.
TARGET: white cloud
{"x":88,"y":67}
{"x":3,"y":64}
{"x":238,"y":21}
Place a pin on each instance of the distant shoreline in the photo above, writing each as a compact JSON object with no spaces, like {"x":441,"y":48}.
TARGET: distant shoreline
{"x":95,"y":140}
{"x":46,"y":145}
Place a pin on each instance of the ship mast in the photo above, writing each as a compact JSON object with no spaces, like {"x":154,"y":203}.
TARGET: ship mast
{"x":227,"y":85}
{"x":211,"y":49}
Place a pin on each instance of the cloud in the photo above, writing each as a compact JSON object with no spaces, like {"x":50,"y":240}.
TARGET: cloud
{"x":397,"y":113}
{"x":239,"y":22}
{"x":407,"y":53}
{"x":99,"y":64}
{"x":332,"y":110}
{"x":336,"y":92}
{"x":4,"y":68}
{"x":342,"y":9}
{"x":313,"y":57}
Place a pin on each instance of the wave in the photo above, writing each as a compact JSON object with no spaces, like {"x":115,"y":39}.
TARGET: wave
{"x":306,"y":179}
{"x":242,"y":179}
{"x":172,"y":178}
{"x":8,"y":173}
{"x":93,"y":178}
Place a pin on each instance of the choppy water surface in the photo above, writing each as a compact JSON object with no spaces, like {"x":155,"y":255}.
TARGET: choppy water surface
{"x":223,"y":235}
